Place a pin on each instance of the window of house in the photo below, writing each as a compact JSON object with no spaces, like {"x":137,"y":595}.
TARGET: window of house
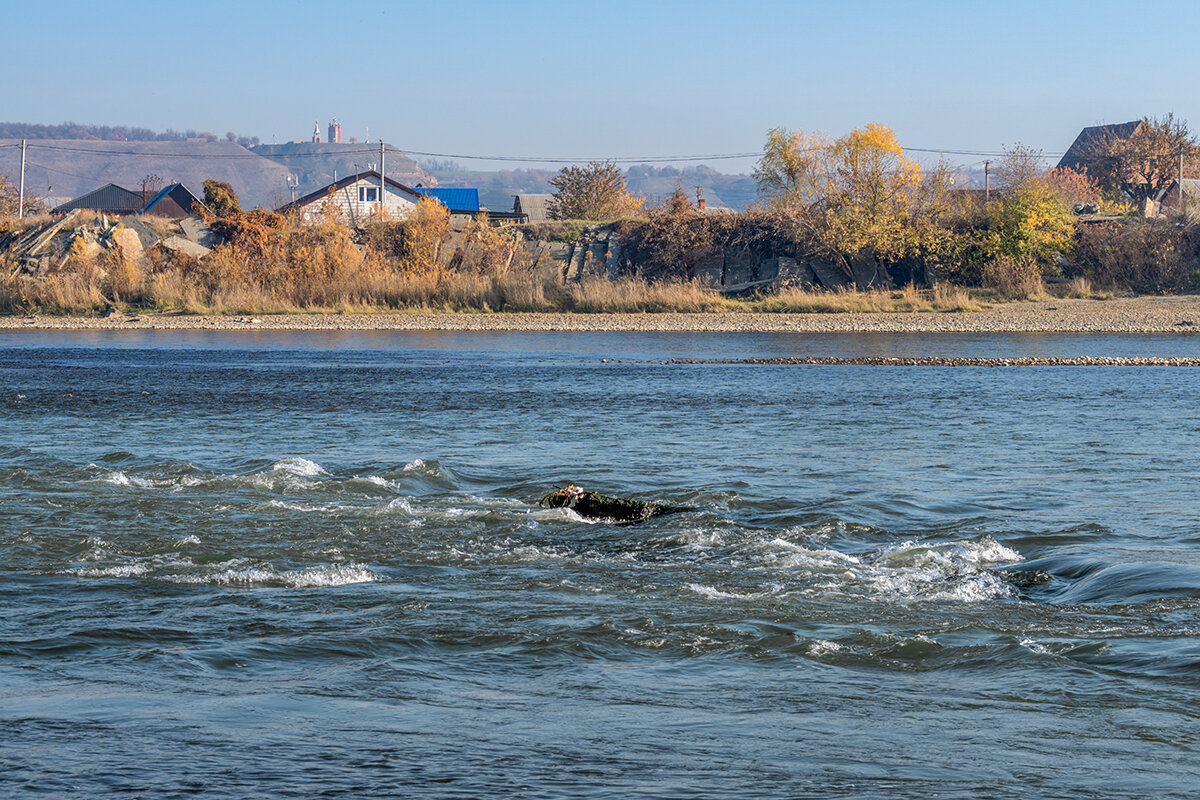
{"x":368,"y":194}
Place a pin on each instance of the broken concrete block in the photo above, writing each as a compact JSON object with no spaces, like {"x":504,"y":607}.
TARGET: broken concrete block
{"x":128,"y":243}
{"x":830,"y":276}
{"x":195,"y":229}
{"x":177,"y":244}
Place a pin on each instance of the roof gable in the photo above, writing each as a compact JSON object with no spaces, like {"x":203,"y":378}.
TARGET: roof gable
{"x":1080,"y":151}
{"x":175,"y":201}
{"x":320,"y":194}
{"x":109,"y":198}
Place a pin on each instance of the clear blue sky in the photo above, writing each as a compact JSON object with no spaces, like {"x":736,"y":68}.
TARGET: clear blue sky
{"x":616,"y":79}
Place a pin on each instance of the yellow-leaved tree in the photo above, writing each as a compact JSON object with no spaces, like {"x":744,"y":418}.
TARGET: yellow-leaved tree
{"x":857,"y":196}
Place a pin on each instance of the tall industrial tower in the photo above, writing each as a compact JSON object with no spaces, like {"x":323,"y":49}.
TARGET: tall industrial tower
{"x":335,"y":131}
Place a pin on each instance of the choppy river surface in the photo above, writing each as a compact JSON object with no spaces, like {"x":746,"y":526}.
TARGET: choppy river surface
{"x":313,"y":565}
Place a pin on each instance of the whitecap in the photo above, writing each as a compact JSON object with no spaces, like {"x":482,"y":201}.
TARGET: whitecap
{"x":329,"y":508}
{"x":300,"y":467}
{"x":823,"y":647}
{"x":311,"y":577}
{"x":114,"y":571}
{"x":399,"y":504}
{"x":988,"y":551}
{"x":709,"y":591}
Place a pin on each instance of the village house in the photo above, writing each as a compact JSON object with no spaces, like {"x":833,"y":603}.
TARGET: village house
{"x":1089,"y":139}
{"x":116,"y":201}
{"x":174,"y":202}
{"x":534,"y":207}
{"x":357,"y":197}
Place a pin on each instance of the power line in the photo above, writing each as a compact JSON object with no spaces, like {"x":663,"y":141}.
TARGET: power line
{"x":524,"y":159}
{"x":226,"y":156}
{"x":613,"y":160}
{"x":61,"y":171}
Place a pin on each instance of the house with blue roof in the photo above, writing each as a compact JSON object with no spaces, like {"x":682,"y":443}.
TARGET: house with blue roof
{"x":174,"y":202}
{"x":458,"y":199}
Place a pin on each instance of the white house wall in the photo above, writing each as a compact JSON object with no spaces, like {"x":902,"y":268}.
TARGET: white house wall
{"x":354,"y":210}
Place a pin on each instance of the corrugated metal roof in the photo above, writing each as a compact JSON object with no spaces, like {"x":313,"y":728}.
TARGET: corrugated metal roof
{"x":111,"y":199}
{"x":537,"y":206}
{"x":453,"y":197}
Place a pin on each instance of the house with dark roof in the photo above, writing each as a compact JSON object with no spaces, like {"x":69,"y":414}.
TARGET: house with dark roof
{"x":357,"y":197}
{"x":173,"y":202}
{"x":1083,"y":149}
{"x":109,"y":199}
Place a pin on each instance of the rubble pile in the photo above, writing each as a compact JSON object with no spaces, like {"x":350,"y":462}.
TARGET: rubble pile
{"x":87,"y":235}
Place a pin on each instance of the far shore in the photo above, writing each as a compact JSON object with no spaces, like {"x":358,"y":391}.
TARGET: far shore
{"x":1175,"y":314}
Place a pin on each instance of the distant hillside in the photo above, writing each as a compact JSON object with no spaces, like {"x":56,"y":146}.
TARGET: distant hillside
{"x":114,"y":133}
{"x":66,"y":168}
{"x":654,"y":183}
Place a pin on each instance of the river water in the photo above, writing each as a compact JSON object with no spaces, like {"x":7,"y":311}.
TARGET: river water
{"x":313,"y":565}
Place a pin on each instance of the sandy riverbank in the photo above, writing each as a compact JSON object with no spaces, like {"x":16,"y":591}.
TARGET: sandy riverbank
{"x":1123,"y":315}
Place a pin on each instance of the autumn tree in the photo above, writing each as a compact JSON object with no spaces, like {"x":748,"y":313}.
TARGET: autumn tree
{"x":1028,"y":227}
{"x":857,"y":195}
{"x":1142,"y":165}
{"x":1020,"y":166}
{"x":10,"y":199}
{"x":596,"y":191}
{"x":1073,"y":186}
{"x":794,"y":167}
{"x":151,"y":184}
{"x":220,"y":198}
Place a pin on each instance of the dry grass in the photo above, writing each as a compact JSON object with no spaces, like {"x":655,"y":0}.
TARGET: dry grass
{"x":274,"y":265}
{"x":1080,"y":288}
{"x":908,"y":299}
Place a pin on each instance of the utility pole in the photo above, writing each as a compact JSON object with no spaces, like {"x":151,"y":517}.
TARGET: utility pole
{"x":21,"y":192}
{"x":382,"y":175}
{"x":1181,"y":200}
{"x":987,"y":181}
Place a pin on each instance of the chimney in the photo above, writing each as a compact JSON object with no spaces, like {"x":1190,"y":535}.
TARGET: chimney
{"x":701,"y":203}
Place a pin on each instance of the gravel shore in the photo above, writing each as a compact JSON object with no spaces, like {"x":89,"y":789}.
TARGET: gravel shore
{"x":1124,"y":315}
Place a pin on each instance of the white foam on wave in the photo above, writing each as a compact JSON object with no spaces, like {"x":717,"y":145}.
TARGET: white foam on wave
{"x":305,"y":508}
{"x":119,"y":478}
{"x":300,"y":467}
{"x":423,"y":467}
{"x":112,"y":571}
{"x":1034,"y":646}
{"x":562,"y":515}
{"x":311,"y":577}
{"x":399,"y":504}
{"x":697,"y":539}
{"x":713,"y":592}
{"x":906,"y":571}
{"x":375,"y":480}
{"x":823,"y":647}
